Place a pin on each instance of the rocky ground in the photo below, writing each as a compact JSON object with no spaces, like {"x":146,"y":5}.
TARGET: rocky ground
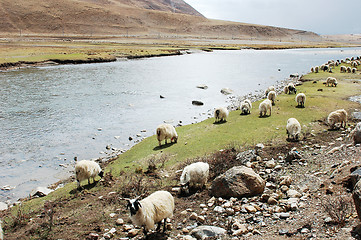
{"x":307,"y":196}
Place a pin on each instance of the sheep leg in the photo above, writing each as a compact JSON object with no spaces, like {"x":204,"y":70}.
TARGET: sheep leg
{"x":88,"y":181}
{"x":160,"y":143}
{"x":158,"y":226}
{"x":164,"y":225}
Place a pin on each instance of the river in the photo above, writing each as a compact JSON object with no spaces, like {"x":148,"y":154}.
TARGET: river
{"x":49,"y":115}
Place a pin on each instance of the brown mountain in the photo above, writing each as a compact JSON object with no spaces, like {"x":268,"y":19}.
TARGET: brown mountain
{"x":166,"y":18}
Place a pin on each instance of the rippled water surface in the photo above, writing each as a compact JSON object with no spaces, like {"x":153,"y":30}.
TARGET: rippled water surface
{"x":49,"y":115}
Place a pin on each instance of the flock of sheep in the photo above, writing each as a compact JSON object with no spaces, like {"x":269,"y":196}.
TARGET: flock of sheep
{"x":160,"y":205}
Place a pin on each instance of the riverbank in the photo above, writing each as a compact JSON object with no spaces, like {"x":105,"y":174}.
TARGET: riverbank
{"x":38,"y":51}
{"x":131,"y":174}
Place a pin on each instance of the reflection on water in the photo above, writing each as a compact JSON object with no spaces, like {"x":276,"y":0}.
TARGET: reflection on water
{"x":49,"y":115}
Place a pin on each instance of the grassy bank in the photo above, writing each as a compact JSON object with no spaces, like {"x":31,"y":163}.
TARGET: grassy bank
{"x":19,"y":52}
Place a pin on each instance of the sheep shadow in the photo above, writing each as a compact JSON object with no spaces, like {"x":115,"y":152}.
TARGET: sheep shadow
{"x":220,"y":122}
{"x":300,"y":106}
{"x":84,"y":187}
{"x":167,"y":145}
{"x":264,"y":116}
{"x":156,"y":236}
{"x":292,"y":140}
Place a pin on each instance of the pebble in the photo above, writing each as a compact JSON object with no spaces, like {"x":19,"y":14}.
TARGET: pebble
{"x":119,"y":221}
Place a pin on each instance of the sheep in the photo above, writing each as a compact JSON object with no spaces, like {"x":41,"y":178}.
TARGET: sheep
{"x":264,"y":107}
{"x":343,"y":69}
{"x":246,"y":106}
{"x":349,"y":69}
{"x":331,"y":81}
{"x":151,"y":210}
{"x":285,"y":89}
{"x":220,"y":114}
{"x":324,"y":67}
{"x":300,"y":99}
{"x":272,"y":96}
{"x":293,"y":129}
{"x":291,"y":88}
{"x":270,"y":88}
{"x":316,"y":69}
{"x":86,"y":169}
{"x":312,"y":69}
{"x":166,"y":131}
{"x":338,"y":116}
{"x":353,"y":70}
{"x":194,"y":176}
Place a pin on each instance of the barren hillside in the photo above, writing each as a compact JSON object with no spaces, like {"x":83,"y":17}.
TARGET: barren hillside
{"x":162,"y":18}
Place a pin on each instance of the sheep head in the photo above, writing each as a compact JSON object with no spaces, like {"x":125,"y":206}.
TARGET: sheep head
{"x":133,"y":206}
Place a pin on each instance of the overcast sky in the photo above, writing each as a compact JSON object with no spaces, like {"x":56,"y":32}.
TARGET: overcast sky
{"x":320,"y":16}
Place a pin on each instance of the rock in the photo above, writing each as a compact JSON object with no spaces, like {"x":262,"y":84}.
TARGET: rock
{"x":357,"y":133}
{"x":239,"y":181}
{"x":286,"y":180}
{"x":41,"y":192}
{"x":246,"y":156}
{"x":250,"y":208}
{"x":355,"y":177}
{"x":241,"y":229}
{"x":133,"y":232}
{"x":3,"y":206}
{"x":201,"y":219}
{"x":259,"y":146}
{"x":119,"y":221}
{"x":270,"y":164}
{"x":329,"y":220}
{"x":356,"y":195}
{"x":293,"y":194}
{"x":197,"y":103}
{"x":284,"y":215}
{"x":226,"y":91}
{"x":219,"y":209}
{"x":204,"y":232}
{"x":112,"y":215}
{"x":93,"y":236}
{"x":202,"y":86}
{"x":193,"y":216}
{"x":272,"y":201}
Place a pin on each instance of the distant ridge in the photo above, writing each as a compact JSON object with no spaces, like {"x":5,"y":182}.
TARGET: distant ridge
{"x":165,"y":18}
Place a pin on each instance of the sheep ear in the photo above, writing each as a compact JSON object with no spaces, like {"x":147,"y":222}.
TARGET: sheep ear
{"x":140,"y":205}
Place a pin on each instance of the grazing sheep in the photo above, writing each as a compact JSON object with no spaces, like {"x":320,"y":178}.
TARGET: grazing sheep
{"x":324,"y":67}
{"x":151,"y":210}
{"x":316,"y":69}
{"x":293,"y":129}
{"x":86,"y":169}
{"x":338,"y":116}
{"x":354,"y":64}
{"x":331,"y":81}
{"x":246,"y":106}
{"x":312,"y":70}
{"x":166,"y":131}
{"x":353,"y":70}
{"x":272,"y":96}
{"x":300,"y":99}
{"x":343,"y":69}
{"x":285,"y":89}
{"x":264,"y":107}
{"x":220,"y":114}
{"x":194,"y":176}
{"x":270,"y":88}
{"x":349,"y":69}
{"x":291,"y":88}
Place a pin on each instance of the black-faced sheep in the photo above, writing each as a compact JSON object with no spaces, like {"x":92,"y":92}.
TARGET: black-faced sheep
{"x":272,"y":96}
{"x":353,"y":70}
{"x":293,"y":128}
{"x":194,"y":176}
{"x":290,"y":88}
{"x":316,"y":69}
{"x":166,"y":131}
{"x":246,"y":107}
{"x":338,"y":116}
{"x":343,"y":69}
{"x":331,"y":81}
{"x":221,"y":114}
{"x":270,"y":88}
{"x":151,"y":210}
{"x":86,"y":169}
{"x":264,"y":107}
{"x":300,"y":99}
{"x":349,"y":69}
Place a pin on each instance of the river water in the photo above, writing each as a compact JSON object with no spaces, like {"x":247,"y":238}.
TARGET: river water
{"x":49,"y":115}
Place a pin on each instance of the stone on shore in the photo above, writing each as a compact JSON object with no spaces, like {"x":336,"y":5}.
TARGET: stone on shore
{"x":204,"y":232}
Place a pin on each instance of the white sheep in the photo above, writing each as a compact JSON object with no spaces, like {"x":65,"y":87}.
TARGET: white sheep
{"x":353,"y":70}
{"x":312,"y":69}
{"x":285,"y":89}
{"x":246,"y":106}
{"x":343,"y":69}
{"x":221,"y":114}
{"x":264,"y":107}
{"x":86,"y":169}
{"x":166,"y":131}
{"x":272,"y":96}
{"x":338,"y":116}
{"x":194,"y":176}
{"x":331,"y":81}
{"x":349,"y":69}
{"x":151,"y":210}
{"x":301,"y":99}
{"x":270,"y":88}
{"x":290,"y":88}
{"x":293,"y":128}
{"x":316,"y":69}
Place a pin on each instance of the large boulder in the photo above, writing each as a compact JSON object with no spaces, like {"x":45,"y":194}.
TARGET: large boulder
{"x":204,"y":232}
{"x":239,"y":181}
